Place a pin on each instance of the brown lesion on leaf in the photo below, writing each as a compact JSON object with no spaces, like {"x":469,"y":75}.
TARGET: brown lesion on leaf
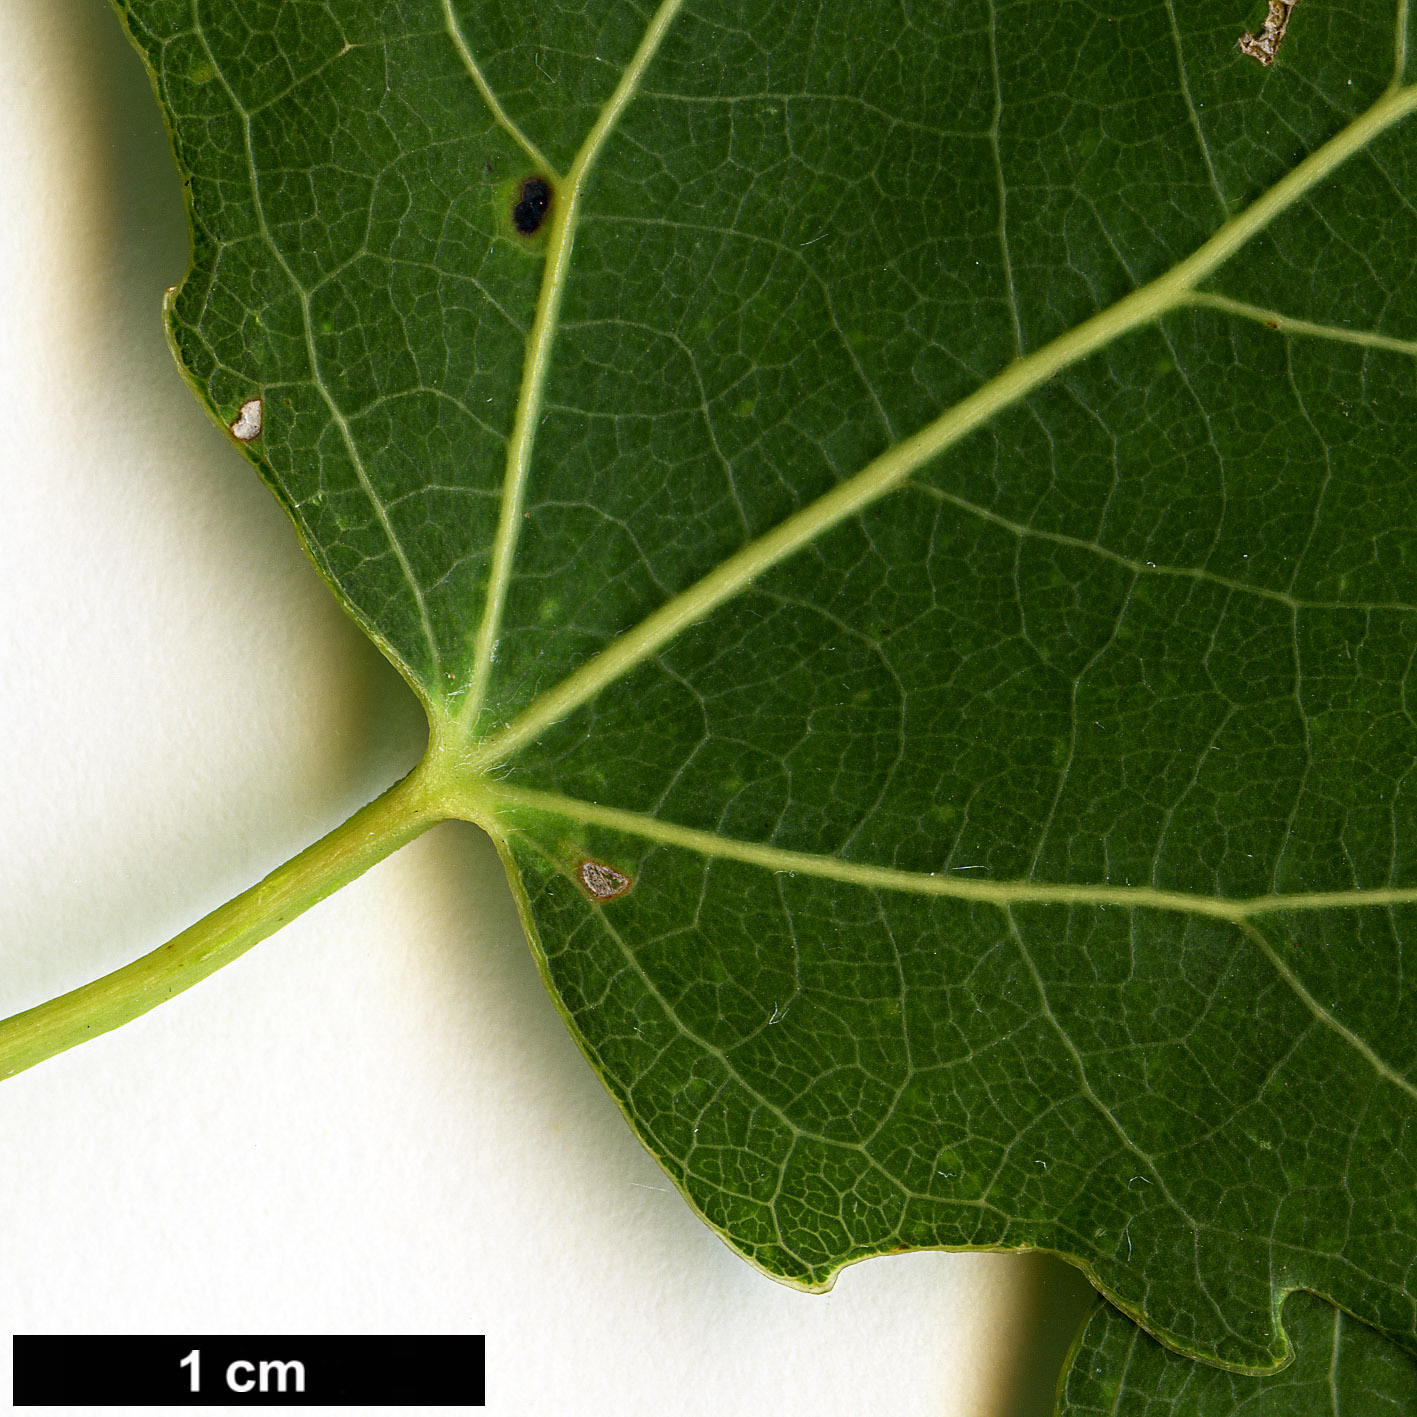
{"x":247,"y":426}
{"x":1265,"y":45}
{"x":601,"y":881}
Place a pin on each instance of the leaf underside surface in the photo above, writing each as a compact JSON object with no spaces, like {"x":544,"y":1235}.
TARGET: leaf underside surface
{"x":928,"y":513}
{"x":1341,"y":1368}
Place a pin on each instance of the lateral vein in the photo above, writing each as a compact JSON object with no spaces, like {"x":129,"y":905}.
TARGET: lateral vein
{"x":944,"y":883}
{"x":1287,"y":324}
{"x":561,"y":239}
{"x":1324,"y":1017}
{"x":885,"y":473}
{"x":317,"y":377}
{"x":500,"y":114}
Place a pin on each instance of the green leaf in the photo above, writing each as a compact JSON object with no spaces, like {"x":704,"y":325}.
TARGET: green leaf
{"x":911,"y":560}
{"x":1340,"y":1369}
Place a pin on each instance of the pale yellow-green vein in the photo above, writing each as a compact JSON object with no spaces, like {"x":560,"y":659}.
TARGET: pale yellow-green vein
{"x":494,"y":106}
{"x":1143,"y":306}
{"x":1288,"y":325}
{"x":317,"y":378}
{"x":498,"y":798}
{"x":560,"y":242}
{"x":1324,"y":1017}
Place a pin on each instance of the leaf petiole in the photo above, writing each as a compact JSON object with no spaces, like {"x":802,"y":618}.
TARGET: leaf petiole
{"x":405,"y":811}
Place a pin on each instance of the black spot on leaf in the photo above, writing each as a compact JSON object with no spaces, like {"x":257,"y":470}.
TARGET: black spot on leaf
{"x":532,"y":204}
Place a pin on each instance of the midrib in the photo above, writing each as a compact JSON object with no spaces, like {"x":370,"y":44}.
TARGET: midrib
{"x":560,"y":242}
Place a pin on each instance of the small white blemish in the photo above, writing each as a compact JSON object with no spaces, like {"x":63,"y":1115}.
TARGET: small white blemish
{"x":603,"y":882}
{"x":248,"y":422}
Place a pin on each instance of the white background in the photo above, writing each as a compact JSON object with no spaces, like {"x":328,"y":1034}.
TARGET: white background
{"x":373,"y":1123}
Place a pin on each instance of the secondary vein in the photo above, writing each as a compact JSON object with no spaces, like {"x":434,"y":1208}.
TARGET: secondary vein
{"x":500,"y":114}
{"x":1287,"y":324}
{"x":561,"y":239}
{"x":1143,"y":306}
{"x":1191,"y":111}
{"x":1296,"y":985}
{"x":317,"y":378}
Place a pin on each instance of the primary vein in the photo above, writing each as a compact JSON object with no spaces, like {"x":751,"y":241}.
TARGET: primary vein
{"x":560,"y":241}
{"x":943,"y":883}
{"x":891,"y":468}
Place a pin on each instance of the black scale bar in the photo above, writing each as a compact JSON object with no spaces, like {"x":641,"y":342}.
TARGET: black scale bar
{"x":272,"y":1371}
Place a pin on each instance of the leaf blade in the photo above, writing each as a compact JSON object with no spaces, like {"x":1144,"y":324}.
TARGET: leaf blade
{"x":1340,"y":1367}
{"x":1000,"y":647}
